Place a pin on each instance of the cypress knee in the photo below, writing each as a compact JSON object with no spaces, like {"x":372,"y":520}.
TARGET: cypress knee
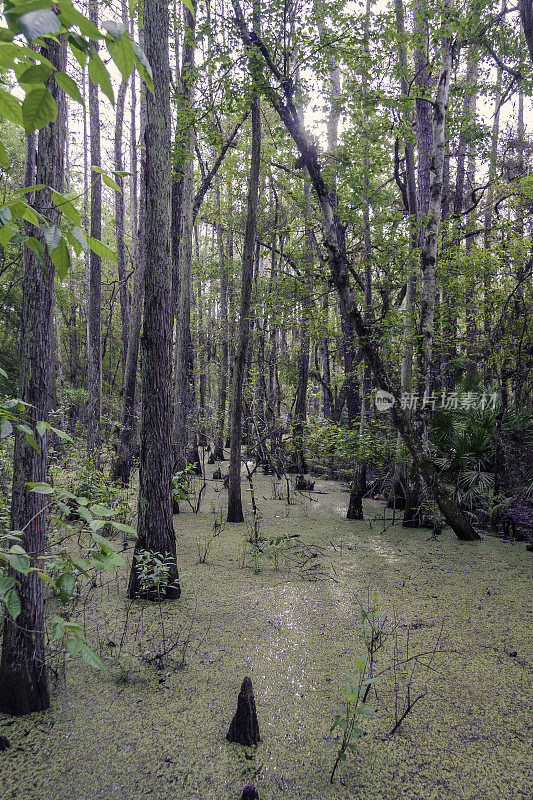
{"x":249,"y":793}
{"x":244,"y":728}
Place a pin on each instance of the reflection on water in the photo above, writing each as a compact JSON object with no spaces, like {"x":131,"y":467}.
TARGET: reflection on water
{"x":285,"y":651}
{"x":384,"y":550}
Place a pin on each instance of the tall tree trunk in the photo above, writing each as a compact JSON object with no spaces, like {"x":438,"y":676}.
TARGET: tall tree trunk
{"x":223,"y":336}
{"x":126,"y":444}
{"x":185,"y":402}
{"x":119,"y":219}
{"x":399,"y":487}
{"x":236,"y":401}
{"x":94,"y":298}
{"x":23,"y":679}
{"x":327,"y":404}
{"x":358,"y":487}
{"x":300,"y":410}
{"x":487,"y":223}
{"x":155,"y":529}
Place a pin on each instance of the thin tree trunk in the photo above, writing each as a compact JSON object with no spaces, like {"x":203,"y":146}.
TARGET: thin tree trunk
{"x":126,"y":444}
{"x":94,"y":298}
{"x":487,"y":221}
{"x":223,"y":336}
{"x":236,"y":401}
{"x":300,"y":410}
{"x":119,"y":219}
{"x":358,"y":487}
{"x":185,"y":402}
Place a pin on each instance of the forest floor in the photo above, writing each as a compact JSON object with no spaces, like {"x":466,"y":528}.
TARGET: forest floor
{"x":143,"y":732}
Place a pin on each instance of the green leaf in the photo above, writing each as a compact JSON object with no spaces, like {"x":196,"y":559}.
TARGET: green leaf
{"x":122,"y":55}
{"x":85,"y":514}
{"x":41,"y":428}
{"x":111,"y":183}
{"x":188,"y":4}
{"x":58,"y":628}
{"x":72,"y":16}
{"x":366,"y":711}
{"x":90,"y":658}
{"x":37,"y":23}
{"x":102,"y":250}
{"x":6,"y":583}
{"x":97,"y":524}
{"x":65,"y":585}
{"x":6,"y":234}
{"x":4,"y":158}
{"x":67,"y":208}
{"x":115,"y":29}
{"x":40,"y":488}
{"x":119,"y":526}
{"x":52,"y":236}
{"x":100,"y":77}
{"x":5,"y":215}
{"x":74,"y":645}
{"x":145,"y":70}
{"x":69,"y":86}
{"x":10,"y":107}
{"x":8,"y":53}
{"x":12,"y":601}
{"x":79,"y":48}
{"x":107,"y":546}
{"x":31,"y":441}
{"x":101,"y":511}
{"x":38,"y":110}
{"x":61,"y":434}
{"x":79,"y":235}
{"x":6,"y":429}
{"x":61,"y":259}
{"x":37,"y":73}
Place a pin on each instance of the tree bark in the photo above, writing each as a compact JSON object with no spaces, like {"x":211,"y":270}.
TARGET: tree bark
{"x":119,"y":220}
{"x":236,"y":402}
{"x":155,"y":528}
{"x":300,"y":410}
{"x":94,"y":298}
{"x":185,"y":402}
{"x":126,"y":443}
{"x":23,"y":679}
{"x":358,"y":487}
{"x":223,"y":337}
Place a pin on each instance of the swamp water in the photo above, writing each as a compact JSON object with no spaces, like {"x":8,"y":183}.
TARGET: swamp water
{"x":293,"y":626}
